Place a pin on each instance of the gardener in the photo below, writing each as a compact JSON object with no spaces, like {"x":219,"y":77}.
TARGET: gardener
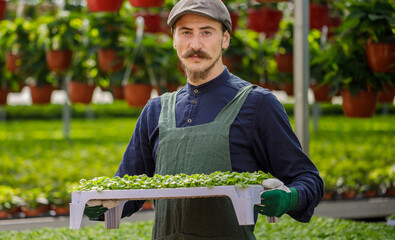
{"x":217,"y":122}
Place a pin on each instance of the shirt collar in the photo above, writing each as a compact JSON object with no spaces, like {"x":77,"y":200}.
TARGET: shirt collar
{"x":223,"y":77}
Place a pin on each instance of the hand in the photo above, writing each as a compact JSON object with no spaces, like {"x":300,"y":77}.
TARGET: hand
{"x":95,"y":208}
{"x":276,"y":199}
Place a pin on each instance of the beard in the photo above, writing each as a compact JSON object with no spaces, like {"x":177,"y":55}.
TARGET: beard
{"x":195,"y":75}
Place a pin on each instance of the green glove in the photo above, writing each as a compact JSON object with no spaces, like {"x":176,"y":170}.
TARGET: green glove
{"x":94,"y":212}
{"x":277,"y":200}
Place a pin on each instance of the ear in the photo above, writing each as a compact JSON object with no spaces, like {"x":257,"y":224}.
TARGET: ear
{"x":174,"y":42}
{"x":225,"y":40}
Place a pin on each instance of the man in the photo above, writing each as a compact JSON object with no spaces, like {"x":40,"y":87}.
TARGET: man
{"x":217,"y":122}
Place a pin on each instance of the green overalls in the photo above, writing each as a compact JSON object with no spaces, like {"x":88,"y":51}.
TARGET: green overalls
{"x":197,"y":149}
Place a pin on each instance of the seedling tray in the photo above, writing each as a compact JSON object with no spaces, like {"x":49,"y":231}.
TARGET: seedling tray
{"x":243,"y":200}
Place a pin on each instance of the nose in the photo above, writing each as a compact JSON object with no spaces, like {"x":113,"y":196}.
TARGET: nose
{"x":196,"y":43}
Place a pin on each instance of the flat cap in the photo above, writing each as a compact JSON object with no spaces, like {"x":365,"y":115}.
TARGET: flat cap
{"x":214,"y":9}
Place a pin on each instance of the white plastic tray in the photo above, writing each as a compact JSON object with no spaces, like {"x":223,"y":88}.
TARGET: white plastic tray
{"x":243,"y":200}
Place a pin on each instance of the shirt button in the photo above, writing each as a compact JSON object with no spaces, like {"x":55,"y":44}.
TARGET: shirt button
{"x":189,"y":120}
{"x":194,"y":101}
{"x":196,"y":91}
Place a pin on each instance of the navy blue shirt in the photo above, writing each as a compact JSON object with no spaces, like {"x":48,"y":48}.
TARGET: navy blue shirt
{"x":260,"y":138}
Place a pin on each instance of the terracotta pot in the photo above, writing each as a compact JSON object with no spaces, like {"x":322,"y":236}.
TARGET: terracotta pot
{"x":117,"y":92}
{"x":12,"y":62}
{"x":2,"y":8}
{"x":58,"y":60}
{"x":154,"y":23}
{"x":264,"y":20}
{"x":334,"y":23}
{"x":137,"y":95}
{"x":363,"y":105}
{"x":319,"y":16}
{"x":3,"y":214}
{"x":328,"y":195}
{"x":80,"y":92}
{"x":146,"y":3}
{"x":41,"y":95}
{"x":381,"y":56}
{"x":234,"y":16}
{"x":390,"y":192}
{"x":349,"y":195}
{"x":288,"y":88}
{"x":370,"y":194}
{"x":3,"y":96}
{"x":104,"y":5}
{"x":321,"y":93}
{"x":148,"y":205}
{"x":60,"y":210}
{"x":285,"y":62}
{"x":387,"y":95}
{"x":233,"y":63}
{"x":109,"y":60}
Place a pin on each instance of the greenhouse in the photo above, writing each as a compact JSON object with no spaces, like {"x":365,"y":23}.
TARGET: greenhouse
{"x":88,"y":89}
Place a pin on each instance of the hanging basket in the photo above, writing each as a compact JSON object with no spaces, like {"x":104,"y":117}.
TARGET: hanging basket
{"x":109,"y":60}
{"x":285,"y":62}
{"x":362,"y":105}
{"x":321,"y":92}
{"x":104,"y":5}
{"x":387,"y":95}
{"x":154,"y":23}
{"x":80,"y":92}
{"x":319,"y":16}
{"x":146,"y":3}
{"x":3,"y":96}
{"x":381,"y":56}
{"x":41,"y":95}
{"x":2,"y":8}
{"x":234,"y":17}
{"x":12,"y":62}
{"x":58,"y":60}
{"x":137,"y":95}
{"x":264,"y":20}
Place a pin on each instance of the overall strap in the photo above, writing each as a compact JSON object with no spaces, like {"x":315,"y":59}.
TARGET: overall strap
{"x":167,"y":117}
{"x":229,"y":113}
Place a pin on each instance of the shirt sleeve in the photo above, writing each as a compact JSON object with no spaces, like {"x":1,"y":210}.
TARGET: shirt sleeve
{"x":138,"y":157}
{"x":279,"y":150}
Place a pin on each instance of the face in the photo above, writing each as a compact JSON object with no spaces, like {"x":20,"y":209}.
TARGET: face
{"x":199,"y":42}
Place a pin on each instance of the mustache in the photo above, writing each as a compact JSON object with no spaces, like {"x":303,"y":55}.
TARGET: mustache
{"x":192,"y":53}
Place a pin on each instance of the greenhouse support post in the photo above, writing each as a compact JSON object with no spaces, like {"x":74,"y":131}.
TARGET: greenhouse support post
{"x":301,"y":72}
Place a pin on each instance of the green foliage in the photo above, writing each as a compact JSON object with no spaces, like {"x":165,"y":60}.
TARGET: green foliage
{"x":287,"y":228}
{"x":157,"y":181}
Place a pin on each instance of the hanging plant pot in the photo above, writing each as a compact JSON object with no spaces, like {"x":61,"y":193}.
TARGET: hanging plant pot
{"x":41,"y":95}
{"x":319,"y":16}
{"x":154,"y":23}
{"x":288,"y":88}
{"x":334,"y":23}
{"x":381,"y":56}
{"x":146,"y":3}
{"x":13,"y":61}
{"x":3,"y":96}
{"x":80,"y":92}
{"x":264,"y":20}
{"x":2,"y":8}
{"x":60,"y":210}
{"x":137,"y":95}
{"x":234,"y":17}
{"x":321,"y":92}
{"x":388,"y":94}
{"x":362,"y":105}
{"x":104,"y":5}
{"x":285,"y":62}
{"x":117,"y":92}
{"x":58,"y":60}
{"x":109,"y":60}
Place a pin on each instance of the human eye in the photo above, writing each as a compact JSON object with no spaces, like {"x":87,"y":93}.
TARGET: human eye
{"x":206,"y":33}
{"x":186,"y":33}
